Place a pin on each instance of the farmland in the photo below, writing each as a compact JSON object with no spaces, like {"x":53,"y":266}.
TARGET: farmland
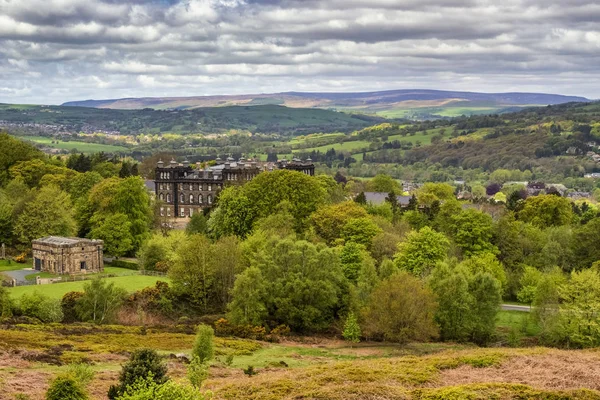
{"x":81,"y":147}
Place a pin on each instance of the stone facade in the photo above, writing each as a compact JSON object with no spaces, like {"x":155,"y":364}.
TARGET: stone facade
{"x":59,"y":255}
{"x":184,"y":190}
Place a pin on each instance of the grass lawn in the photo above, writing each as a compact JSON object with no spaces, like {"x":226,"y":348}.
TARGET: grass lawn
{"x":5,"y":266}
{"x":517,"y":320}
{"x":57,"y":290}
{"x":107,"y":271}
{"x":80,"y":146}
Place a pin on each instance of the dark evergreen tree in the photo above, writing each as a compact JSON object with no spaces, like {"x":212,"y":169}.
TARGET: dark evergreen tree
{"x":361,"y":198}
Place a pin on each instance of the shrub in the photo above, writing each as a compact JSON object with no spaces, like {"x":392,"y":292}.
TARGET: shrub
{"x":124,"y":264}
{"x":203,"y":347}
{"x":68,"y":305}
{"x":141,"y":364}
{"x":351,"y":329}
{"x":148,"y":389}
{"x":21,"y":258}
{"x":82,"y":373}
{"x":250,"y":371}
{"x":38,"y":306}
{"x":197,"y":372}
{"x":65,"y":388}
{"x":100,"y":301}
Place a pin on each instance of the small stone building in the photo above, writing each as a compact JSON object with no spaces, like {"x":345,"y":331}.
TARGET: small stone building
{"x":60,"y":255}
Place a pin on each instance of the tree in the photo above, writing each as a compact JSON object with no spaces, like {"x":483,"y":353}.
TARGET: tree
{"x":100,"y":301}
{"x":228,"y":265}
{"x":360,"y":230}
{"x":248,"y":294}
{"x":13,"y":150}
{"x":115,"y":231}
{"x":486,"y":263}
{"x":240,"y":207}
{"x":585,"y":244}
{"x":487,"y":296}
{"x":351,"y":329}
{"x":68,"y":305}
{"x":65,"y":388}
{"x":306,"y":285}
{"x":383,"y":183}
{"x":203,"y":346}
{"x":579,"y":322}
{"x":143,"y":364}
{"x":529,"y":281}
{"x":329,"y":221}
{"x":421,"y":251}
{"x":401,"y":309}
{"x":431,"y":192}
{"x":197,"y":225}
{"x":472,"y":231}
{"x":49,"y":213}
{"x":193,"y":273}
{"x":361,"y":198}
{"x":546,"y":210}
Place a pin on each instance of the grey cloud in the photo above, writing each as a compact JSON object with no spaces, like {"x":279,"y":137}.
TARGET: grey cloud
{"x":110,"y":48}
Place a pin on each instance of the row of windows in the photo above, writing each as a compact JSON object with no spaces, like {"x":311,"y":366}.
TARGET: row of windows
{"x":165,"y":175}
{"x":189,"y":186}
{"x":183,"y":212}
{"x":191,"y":198}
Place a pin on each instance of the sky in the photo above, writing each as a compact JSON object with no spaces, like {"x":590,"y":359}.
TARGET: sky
{"x":52,"y":51}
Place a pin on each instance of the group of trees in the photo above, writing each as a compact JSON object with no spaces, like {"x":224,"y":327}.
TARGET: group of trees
{"x":42,"y":196}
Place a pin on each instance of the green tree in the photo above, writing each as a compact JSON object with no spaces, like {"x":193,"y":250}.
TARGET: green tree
{"x":115,"y":231}
{"x":529,"y":281}
{"x":100,"y":301}
{"x":49,"y":213}
{"x":197,"y":225}
{"x":472,"y":232}
{"x":421,"y":251}
{"x":351,"y":329}
{"x":360,"y":230}
{"x":65,"y":388}
{"x":486,"y":263}
{"x":42,"y":307}
{"x":203,"y":346}
{"x":579,"y":321}
{"x":401,"y":309}
{"x":13,"y":150}
{"x":194,"y":270}
{"x":248,"y":294}
{"x":329,"y":221}
{"x":383,"y":183}
{"x":147,"y":389}
{"x":361,"y":198}
{"x":487,"y":296}
{"x":585,"y":245}
{"x":546,"y":210}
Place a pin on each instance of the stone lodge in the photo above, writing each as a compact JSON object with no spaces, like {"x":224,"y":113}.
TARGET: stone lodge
{"x":184,"y":190}
{"x":60,"y":255}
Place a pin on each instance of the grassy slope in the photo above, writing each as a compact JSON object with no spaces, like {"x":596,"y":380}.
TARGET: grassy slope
{"x":79,"y":146}
{"x":57,"y":290}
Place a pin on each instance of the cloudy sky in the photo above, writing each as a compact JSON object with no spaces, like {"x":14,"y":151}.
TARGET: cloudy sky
{"x":53,"y":51}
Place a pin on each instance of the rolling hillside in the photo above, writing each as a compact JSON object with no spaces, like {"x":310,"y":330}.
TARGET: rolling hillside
{"x":415,"y":104}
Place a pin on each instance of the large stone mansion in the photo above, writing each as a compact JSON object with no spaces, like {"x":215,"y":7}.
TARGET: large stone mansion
{"x":185,"y":190}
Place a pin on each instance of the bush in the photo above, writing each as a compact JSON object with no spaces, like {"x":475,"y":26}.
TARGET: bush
{"x":65,"y":388}
{"x":203,"y":347}
{"x":82,"y":373}
{"x":142,"y":364}
{"x":197,"y":372}
{"x":68,"y":305}
{"x":125,"y":264}
{"x":41,"y":307}
{"x":21,"y":258}
{"x":148,"y":389}
{"x":224,"y":328}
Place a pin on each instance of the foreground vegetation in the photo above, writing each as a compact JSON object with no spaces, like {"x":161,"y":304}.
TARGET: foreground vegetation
{"x":310,"y":368}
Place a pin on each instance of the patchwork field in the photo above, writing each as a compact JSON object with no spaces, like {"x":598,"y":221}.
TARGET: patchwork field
{"x":302,"y":368}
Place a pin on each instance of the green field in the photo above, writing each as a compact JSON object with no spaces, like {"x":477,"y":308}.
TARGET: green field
{"x":79,"y":146}
{"x":440,"y":111}
{"x":57,"y":290}
{"x":107,"y":271}
{"x":345,"y":146}
{"x":5,"y":266}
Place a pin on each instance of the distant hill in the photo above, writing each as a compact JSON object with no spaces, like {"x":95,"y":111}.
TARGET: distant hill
{"x":419,"y":104}
{"x":259,"y":119}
